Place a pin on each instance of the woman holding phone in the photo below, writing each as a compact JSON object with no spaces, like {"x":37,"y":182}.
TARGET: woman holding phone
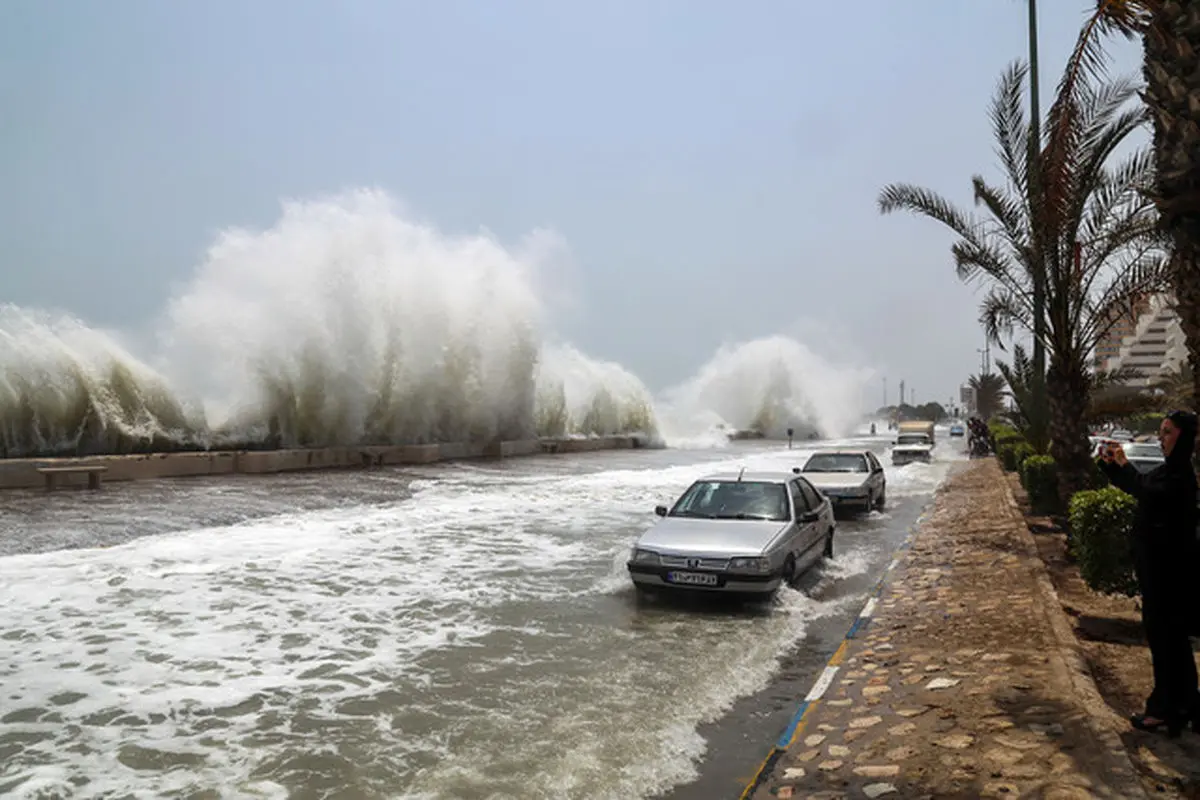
{"x":1165,"y":561}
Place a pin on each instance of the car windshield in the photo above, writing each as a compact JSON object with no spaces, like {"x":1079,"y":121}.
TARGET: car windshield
{"x":837,"y":462}
{"x":1143,"y":451}
{"x":912,"y":438}
{"x":734,"y":500}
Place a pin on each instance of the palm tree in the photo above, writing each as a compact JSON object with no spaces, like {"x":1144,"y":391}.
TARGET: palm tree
{"x":1170,"y":31}
{"x":1114,"y":396}
{"x":1085,"y":226}
{"x":1177,"y":390}
{"x":1031,"y":418}
{"x":989,"y":394}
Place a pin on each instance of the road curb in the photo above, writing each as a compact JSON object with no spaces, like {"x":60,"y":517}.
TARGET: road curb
{"x":813,"y":699}
{"x":1124,"y":777}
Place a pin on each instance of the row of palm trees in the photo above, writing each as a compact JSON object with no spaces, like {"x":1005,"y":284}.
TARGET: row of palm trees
{"x":1075,"y":231}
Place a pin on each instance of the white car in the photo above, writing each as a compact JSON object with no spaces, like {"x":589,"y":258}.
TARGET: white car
{"x":912,"y":447}
{"x":744,"y":533}
{"x":849,"y":478}
{"x":1144,"y":456}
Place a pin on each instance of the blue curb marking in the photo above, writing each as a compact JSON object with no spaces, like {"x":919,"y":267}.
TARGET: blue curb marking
{"x":785,"y":739}
{"x":825,"y":679}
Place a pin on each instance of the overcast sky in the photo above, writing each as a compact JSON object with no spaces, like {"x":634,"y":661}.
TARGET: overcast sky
{"x":713,"y":165}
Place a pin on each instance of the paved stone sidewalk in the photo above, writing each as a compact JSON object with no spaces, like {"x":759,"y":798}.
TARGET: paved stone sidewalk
{"x":965,"y":683}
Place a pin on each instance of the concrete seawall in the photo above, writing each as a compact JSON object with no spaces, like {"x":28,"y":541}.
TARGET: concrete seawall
{"x":22,"y":473}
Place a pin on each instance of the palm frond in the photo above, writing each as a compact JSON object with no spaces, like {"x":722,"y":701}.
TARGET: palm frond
{"x":1031,"y":418}
{"x":1010,"y":127}
{"x":989,"y":393}
{"x":1146,"y":274}
{"x":1009,"y":213}
{"x":914,"y":199}
{"x":1001,"y":312}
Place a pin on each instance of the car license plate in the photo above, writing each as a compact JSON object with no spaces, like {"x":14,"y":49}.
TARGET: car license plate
{"x":692,"y":578}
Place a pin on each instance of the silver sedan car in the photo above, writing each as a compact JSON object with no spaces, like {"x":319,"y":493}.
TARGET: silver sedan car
{"x":851,"y":479}
{"x":744,"y":533}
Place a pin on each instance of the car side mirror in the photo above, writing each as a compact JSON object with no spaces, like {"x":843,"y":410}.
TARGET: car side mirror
{"x":810,"y":516}
{"x":660,"y":510}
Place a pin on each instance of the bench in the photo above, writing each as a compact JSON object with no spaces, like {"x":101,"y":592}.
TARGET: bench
{"x":93,"y":473}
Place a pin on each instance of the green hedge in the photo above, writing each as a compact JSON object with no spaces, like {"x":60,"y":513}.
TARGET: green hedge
{"x":1101,"y":527}
{"x":1008,"y":456}
{"x":1012,"y":451}
{"x":1021,"y":452}
{"x":1001,"y":431}
{"x":1039,"y":476}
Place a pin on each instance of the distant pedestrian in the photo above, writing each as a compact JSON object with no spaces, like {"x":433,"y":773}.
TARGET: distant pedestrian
{"x":1165,"y":561}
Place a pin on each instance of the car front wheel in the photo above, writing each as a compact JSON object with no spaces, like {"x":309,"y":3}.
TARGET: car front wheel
{"x":789,"y":570}
{"x":829,"y":544}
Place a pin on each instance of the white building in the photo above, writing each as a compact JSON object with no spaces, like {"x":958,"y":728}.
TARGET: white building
{"x":1156,"y":349}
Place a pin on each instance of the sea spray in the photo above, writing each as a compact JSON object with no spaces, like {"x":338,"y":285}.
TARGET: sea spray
{"x":68,"y":389}
{"x":347,"y":322}
{"x":766,"y":385}
{"x":578,"y":395}
{"x":344,"y":323}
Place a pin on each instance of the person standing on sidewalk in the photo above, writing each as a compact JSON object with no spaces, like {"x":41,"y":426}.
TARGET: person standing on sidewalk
{"x":1165,"y":561}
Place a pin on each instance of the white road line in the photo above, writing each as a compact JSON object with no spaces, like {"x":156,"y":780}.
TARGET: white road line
{"x":822,"y":685}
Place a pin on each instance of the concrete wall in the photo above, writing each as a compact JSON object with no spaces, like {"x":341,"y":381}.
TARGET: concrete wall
{"x":21,"y":473}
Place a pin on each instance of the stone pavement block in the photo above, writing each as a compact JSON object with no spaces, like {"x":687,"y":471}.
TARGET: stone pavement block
{"x":960,"y":685}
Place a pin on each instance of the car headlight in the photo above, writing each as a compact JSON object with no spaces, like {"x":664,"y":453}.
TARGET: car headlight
{"x":639,"y":556}
{"x":750,"y":564}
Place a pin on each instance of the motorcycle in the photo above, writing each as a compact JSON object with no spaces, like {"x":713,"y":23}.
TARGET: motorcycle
{"x":979,"y":447}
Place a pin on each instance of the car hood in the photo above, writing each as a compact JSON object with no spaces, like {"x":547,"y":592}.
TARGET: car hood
{"x":718,"y":537}
{"x":913,"y":447}
{"x":837,"y":480}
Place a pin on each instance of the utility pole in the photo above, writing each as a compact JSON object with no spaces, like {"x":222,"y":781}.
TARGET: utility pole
{"x":1039,"y":255}
{"x":985,"y":363}
{"x":885,"y":391}
{"x":901,"y":391}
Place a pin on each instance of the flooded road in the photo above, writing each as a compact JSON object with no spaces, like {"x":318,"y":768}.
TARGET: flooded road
{"x":457,"y":631}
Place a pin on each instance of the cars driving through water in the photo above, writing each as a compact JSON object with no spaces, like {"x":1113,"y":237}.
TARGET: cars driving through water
{"x":914,"y":442}
{"x":851,"y":479}
{"x":743,"y":533}
{"x":958,"y":430}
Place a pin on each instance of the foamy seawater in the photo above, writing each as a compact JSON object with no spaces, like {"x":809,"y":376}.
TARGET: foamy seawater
{"x":473,"y":638}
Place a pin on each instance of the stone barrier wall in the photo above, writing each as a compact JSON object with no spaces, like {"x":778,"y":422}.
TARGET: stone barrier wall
{"x":21,"y":473}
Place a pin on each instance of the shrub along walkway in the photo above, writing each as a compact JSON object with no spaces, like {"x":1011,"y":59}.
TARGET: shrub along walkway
{"x":967,"y":682}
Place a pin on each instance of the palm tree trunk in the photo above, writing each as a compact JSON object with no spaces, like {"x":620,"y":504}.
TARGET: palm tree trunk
{"x":1068,"y":397}
{"x":1187,"y":305}
{"x":1172,"y":74}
